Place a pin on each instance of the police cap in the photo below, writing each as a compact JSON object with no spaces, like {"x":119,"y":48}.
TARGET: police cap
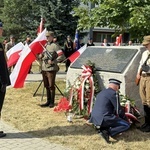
{"x":115,"y":81}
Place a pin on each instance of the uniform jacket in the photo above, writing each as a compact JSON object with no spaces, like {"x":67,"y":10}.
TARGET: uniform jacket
{"x":52,"y":48}
{"x":4,"y":75}
{"x":106,"y":107}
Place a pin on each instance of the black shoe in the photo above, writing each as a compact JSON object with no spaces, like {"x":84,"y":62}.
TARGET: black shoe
{"x":104,"y":134}
{"x":51,"y":105}
{"x":2,"y":135}
{"x":45,"y":105}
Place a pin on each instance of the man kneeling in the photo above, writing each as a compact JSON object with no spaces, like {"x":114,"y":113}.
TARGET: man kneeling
{"x":107,"y":115}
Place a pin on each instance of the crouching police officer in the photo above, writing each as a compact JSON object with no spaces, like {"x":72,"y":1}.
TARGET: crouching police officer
{"x":49,"y":68}
{"x":107,"y":114}
{"x":4,"y":76}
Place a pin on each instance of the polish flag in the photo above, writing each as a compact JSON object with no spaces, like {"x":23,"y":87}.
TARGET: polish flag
{"x":36,"y":45}
{"x":41,"y":26}
{"x":13,"y":54}
{"x":60,"y":52}
{"x":19,"y":73}
{"x":77,"y":54}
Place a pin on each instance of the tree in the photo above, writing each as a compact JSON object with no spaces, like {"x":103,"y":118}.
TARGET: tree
{"x":23,"y":17}
{"x":122,"y":15}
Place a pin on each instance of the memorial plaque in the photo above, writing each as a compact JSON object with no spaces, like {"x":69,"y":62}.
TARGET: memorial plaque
{"x":113,"y":59}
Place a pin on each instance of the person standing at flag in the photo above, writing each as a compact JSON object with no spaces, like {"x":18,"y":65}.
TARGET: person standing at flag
{"x":8,"y":46}
{"x":68,"y":50}
{"x":49,"y":68}
{"x":143,"y":74}
{"x":4,"y":76}
{"x":28,"y":41}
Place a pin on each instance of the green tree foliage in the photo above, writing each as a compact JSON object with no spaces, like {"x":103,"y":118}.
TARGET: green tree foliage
{"x":23,"y":17}
{"x":122,"y":15}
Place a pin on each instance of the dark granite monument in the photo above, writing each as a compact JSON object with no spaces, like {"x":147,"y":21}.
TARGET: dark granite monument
{"x":106,"y":59}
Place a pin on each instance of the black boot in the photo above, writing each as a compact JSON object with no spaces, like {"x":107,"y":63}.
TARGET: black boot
{"x":146,"y":126}
{"x":51,"y":105}
{"x":48,"y":99}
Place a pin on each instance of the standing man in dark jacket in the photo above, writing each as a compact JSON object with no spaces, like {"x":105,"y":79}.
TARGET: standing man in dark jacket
{"x":68,"y":50}
{"x":107,"y":113}
{"x":4,"y":76}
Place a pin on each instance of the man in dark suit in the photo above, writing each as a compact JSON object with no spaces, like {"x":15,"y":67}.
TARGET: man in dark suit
{"x":4,"y":76}
{"x":69,"y":49}
{"x":107,"y":114}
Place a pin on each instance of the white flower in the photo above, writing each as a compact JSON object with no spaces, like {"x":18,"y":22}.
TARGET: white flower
{"x":87,"y":86}
{"x":87,"y":81}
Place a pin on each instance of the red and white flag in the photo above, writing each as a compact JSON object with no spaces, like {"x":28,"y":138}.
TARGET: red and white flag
{"x":36,"y":45}
{"x":13,"y":54}
{"x":77,"y":54}
{"x":41,"y":26}
{"x":19,"y":73}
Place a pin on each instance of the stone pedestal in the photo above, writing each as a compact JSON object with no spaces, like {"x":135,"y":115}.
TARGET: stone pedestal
{"x":120,"y":62}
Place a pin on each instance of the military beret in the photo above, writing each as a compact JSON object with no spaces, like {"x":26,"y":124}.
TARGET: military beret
{"x":146,"y":40}
{"x":49,"y":33}
{"x":115,"y":81}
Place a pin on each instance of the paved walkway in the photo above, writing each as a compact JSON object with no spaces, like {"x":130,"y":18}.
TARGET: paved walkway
{"x":18,"y":140}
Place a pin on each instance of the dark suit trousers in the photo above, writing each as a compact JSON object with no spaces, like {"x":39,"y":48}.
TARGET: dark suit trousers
{"x":115,"y":125}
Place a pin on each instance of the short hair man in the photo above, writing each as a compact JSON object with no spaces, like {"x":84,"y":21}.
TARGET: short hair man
{"x":107,"y":113}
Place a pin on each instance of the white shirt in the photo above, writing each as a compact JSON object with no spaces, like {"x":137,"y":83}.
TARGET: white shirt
{"x":143,"y":59}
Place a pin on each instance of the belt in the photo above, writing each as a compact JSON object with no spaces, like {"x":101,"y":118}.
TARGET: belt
{"x":145,"y":75}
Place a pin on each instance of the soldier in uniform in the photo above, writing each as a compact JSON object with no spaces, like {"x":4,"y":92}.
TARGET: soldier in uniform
{"x":107,"y":115}
{"x":4,"y":76}
{"x":144,"y":85}
{"x":68,"y":50}
{"x":49,"y":68}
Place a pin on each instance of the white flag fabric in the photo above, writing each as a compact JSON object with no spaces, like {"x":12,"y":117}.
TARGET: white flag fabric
{"x":77,"y":54}
{"x":13,"y":54}
{"x":36,"y":45}
{"x":19,"y":73}
{"x":27,"y":56}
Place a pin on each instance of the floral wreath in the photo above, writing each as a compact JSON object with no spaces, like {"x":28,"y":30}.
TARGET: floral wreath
{"x":80,"y":97}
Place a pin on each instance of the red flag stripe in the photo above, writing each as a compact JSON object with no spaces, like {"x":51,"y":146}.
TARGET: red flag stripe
{"x":13,"y":58}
